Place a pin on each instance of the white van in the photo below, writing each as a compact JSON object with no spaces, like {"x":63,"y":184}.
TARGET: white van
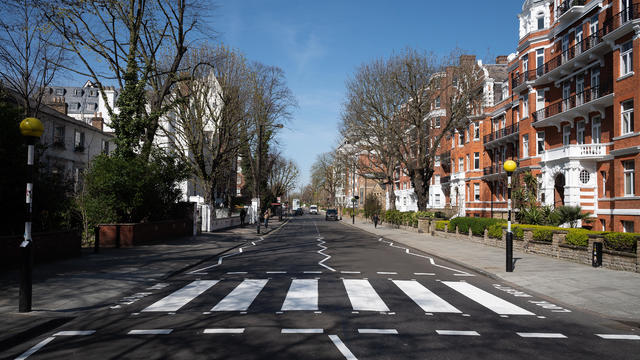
{"x":313,"y":209}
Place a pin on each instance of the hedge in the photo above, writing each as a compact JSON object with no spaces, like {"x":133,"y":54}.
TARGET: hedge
{"x":495,"y":231}
{"x":544,"y":235}
{"x":440,"y":225}
{"x":577,"y":237}
{"x":477,"y":225}
{"x":626,"y":242}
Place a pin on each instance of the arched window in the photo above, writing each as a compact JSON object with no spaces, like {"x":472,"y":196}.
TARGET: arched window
{"x":540,"y":18}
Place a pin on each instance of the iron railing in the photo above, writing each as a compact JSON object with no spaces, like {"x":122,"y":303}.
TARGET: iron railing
{"x":493,"y":169}
{"x":498,"y":134}
{"x":520,"y":78}
{"x":566,"y":5}
{"x":572,"y":101}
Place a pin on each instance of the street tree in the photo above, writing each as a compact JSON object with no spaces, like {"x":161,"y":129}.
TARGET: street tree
{"x":283,"y":175}
{"x":328,"y":172}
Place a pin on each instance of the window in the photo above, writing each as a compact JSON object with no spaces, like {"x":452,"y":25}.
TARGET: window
{"x":595,"y":83}
{"x":437,"y":122}
{"x":626,"y":58}
{"x":476,"y":131}
{"x":596,"y":132}
{"x":468,"y":194}
{"x":540,"y":18}
{"x":584,"y":177}
{"x":58,"y":136}
{"x":629,"y":178}
{"x":516,"y":114}
{"x":461,"y":138}
{"x":436,"y":160}
{"x":437,"y":199}
{"x":603,"y":175}
{"x":525,"y":145}
{"x":476,"y":192}
{"x":476,"y":160}
{"x":468,"y":163}
{"x":566,"y":135}
{"x":525,"y":64}
{"x":437,"y":103}
{"x":466,"y":134}
{"x":580,"y":132}
{"x":626,"y":11}
{"x":593,"y":25}
{"x":437,"y":180}
{"x":460,"y":164}
{"x":525,"y":107}
{"x":627,"y":226}
{"x":105,"y":148}
{"x":540,"y":142}
{"x":566,"y":94}
{"x":603,"y":222}
{"x":59,"y":92}
{"x":78,"y":92}
{"x":627,"y":117}
{"x":539,"y":61}
{"x":78,"y":141}
{"x":565,"y":48}
{"x":579,"y":90}
{"x":579,"y":36}
{"x":539,"y":99}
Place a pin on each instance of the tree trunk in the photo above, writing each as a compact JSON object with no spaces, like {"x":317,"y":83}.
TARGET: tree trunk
{"x":421,"y":179}
{"x":392,"y":194}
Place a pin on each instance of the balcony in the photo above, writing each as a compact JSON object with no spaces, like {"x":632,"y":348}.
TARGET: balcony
{"x":576,"y":151}
{"x":519,"y":81}
{"x":445,"y":180}
{"x":578,"y":105}
{"x":493,"y":171}
{"x":570,"y":10}
{"x":505,"y":134}
{"x":591,"y":48}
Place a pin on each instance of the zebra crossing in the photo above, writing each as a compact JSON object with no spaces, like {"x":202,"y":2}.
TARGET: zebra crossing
{"x":303,"y":295}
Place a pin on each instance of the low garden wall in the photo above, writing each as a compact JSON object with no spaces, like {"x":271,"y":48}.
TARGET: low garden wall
{"x":223,"y":223}
{"x":49,"y":246}
{"x":128,"y":235}
{"x":554,"y":245}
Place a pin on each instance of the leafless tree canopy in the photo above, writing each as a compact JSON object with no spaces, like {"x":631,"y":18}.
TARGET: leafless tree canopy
{"x":283,"y":175}
{"x":327,"y":174}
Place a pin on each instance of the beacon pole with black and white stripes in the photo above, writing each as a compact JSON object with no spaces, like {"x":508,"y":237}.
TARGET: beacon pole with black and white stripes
{"x":509,"y":167}
{"x":31,"y":129}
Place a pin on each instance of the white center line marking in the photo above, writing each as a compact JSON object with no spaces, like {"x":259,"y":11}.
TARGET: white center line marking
{"x":387,"y":273}
{"x":150,"y":332}
{"x":178,"y":299}
{"x":236,"y":273}
{"x":302,"y":331}
{"x":424,"y":274}
{"x":378,"y":331}
{"x":302,"y":295}
{"x":457,"y":332}
{"x":363,"y":296}
{"x":276,"y":272}
{"x":342,"y":348}
{"x":619,"y":336}
{"x":224,"y":331}
{"x":75,"y":333}
{"x":350,"y":272}
{"x":542,"y":335}
{"x":312,"y":272}
{"x":35,"y":348}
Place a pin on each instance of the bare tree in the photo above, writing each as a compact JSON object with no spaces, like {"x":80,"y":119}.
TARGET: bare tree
{"x":283,"y":175}
{"x":28,"y":63}
{"x":209,"y":116}
{"x":139,"y":45}
{"x":328,"y":172}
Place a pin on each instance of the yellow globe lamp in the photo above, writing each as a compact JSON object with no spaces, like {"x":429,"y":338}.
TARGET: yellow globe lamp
{"x":510,"y":166}
{"x":31,"y":127}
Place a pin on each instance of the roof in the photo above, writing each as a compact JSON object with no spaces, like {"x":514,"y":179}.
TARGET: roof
{"x":498,"y":72}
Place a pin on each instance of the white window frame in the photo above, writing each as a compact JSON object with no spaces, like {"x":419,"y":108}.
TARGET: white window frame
{"x":539,"y":140}
{"x":460,"y":164}
{"x":539,"y":61}
{"x":596,"y":130}
{"x":629,"y":176}
{"x":476,"y":131}
{"x":436,"y":160}
{"x":468,"y":158}
{"x":566,"y":135}
{"x":580,"y":90}
{"x":580,"y":132}
{"x":593,"y":25}
{"x":540,"y":17}
{"x":539,"y":99}
{"x":627,"y":226}
{"x":525,"y":145}
{"x":626,"y":58}
{"x":476,"y":160}
{"x":626,"y":117}
{"x":525,"y":106}
{"x":476,"y":192}
{"x":437,"y":179}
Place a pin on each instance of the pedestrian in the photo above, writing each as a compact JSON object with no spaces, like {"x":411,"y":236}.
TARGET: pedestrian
{"x":266,"y":218}
{"x":243,"y":215}
{"x":375,"y":220}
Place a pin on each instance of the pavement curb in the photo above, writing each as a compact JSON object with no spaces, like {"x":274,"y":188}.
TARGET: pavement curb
{"x":34,"y":331}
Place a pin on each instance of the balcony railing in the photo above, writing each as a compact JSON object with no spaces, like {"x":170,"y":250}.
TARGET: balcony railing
{"x":521,"y":78}
{"x":571,"y":102}
{"x":575,"y":151}
{"x":493,"y":169}
{"x":610,"y":24}
{"x":445,"y":179}
{"x":566,"y":5}
{"x":499,"y":134}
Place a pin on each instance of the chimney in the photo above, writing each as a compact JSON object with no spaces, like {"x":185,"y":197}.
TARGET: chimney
{"x":502,"y":60}
{"x":97,"y":121}
{"x":57,"y":104}
{"x":466,"y":60}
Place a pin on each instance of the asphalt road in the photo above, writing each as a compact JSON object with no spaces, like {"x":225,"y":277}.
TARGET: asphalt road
{"x":323,"y":290}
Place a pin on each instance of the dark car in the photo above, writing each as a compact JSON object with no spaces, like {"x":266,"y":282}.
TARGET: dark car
{"x":332,"y":214}
{"x":299,"y":212}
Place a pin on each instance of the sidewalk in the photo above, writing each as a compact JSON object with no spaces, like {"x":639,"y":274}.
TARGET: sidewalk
{"x":64,"y":289}
{"x":612,"y":294}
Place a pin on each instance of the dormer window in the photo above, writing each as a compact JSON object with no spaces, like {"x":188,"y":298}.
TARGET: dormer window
{"x":540,"y":18}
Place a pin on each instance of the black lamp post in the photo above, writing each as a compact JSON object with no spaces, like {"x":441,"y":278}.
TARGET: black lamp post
{"x":509,"y":167}
{"x":31,"y":129}
{"x":260,"y":134}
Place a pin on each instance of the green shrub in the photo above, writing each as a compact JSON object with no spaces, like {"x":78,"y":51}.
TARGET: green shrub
{"x":544,"y":235}
{"x":578,"y":237}
{"x":495,"y":231}
{"x":440,"y":225}
{"x":518,"y":232}
{"x":621,"y":242}
{"x":477,"y":225}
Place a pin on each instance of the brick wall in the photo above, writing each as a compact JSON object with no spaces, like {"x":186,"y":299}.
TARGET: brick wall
{"x":136,"y":234}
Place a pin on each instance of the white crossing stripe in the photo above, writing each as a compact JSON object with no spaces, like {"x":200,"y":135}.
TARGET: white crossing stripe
{"x":35,"y":348}
{"x":178,"y":299}
{"x":302,"y":331}
{"x":302,"y":295}
{"x":457,"y":332}
{"x":150,"y":332}
{"x":619,"y":336}
{"x":542,"y":335}
{"x":378,"y":331}
{"x":363,"y":296}
{"x":342,"y":347}
{"x":224,"y":331}
{"x":241,"y":297}
{"x":427,"y":300}
{"x":75,"y":333}
{"x":486,"y":299}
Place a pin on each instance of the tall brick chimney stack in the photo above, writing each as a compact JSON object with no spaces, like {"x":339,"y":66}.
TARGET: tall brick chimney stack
{"x":502,"y":60}
{"x":97,"y":121}
{"x":57,"y":103}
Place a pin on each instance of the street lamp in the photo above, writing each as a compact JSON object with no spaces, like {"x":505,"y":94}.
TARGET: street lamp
{"x":509,"y":166}
{"x":31,"y":129}
{"x":257,"y":185}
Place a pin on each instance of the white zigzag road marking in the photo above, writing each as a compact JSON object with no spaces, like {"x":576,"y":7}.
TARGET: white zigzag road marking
{"x":431,"y":261}
{"x":220,"y":259}
{"x":323,"y":248}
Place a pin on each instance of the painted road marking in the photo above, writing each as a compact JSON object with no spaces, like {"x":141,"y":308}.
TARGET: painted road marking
{"x":276,"y":272}
{"x":302,"y":295}
{"x":387,"y":273}
{"x":350,"y":272}
{"x":363,"y":296}
{"x":236,"y":273}
{"x":427,"y":300}
{"x":224,"y":331}
{"x":150,"y":332}
{"x":457,"y":332}
{"x":424,"y":274}
{"x":619,"y":336}
{"x":486,"y":299}
{"x":302,"y":331}
{"x":179,"y":298}
{"x":35,"y":348}
{"x":241,"y":297}
{"x":312,"y":272}
{"x":342,"y":348}
{"x":75,"y":333}
{"x":378,"y":331}
{"x":542,"y":335}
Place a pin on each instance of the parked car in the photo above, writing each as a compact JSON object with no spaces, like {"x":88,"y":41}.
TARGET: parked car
{"x":299,"y":212}
{"x":313,"y":209}
{"x":331,"y":214}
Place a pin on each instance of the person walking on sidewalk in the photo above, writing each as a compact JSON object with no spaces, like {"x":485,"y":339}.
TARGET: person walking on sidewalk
{"x":375,"y":220}
{"x":243,"y":215}
{"x":267,"y":214}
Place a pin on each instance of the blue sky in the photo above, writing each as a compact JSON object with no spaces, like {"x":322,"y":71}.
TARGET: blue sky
{"x":319,"y":44}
